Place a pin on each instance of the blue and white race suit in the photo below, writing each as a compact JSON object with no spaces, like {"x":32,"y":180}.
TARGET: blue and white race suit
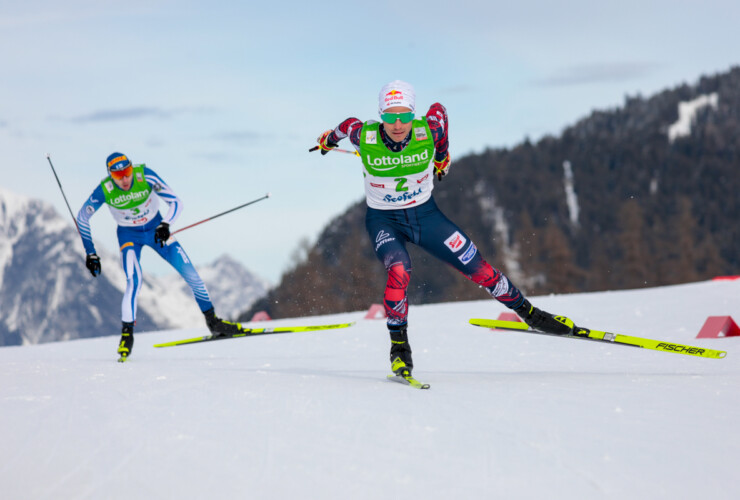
{"x":135,"y":230}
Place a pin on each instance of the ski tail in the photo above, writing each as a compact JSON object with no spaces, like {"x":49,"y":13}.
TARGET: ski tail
{"x":602,"y":336}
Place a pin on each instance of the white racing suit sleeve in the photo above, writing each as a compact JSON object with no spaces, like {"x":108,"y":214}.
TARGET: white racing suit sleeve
{"x":166,"y":194}
{"x":91,"y":205}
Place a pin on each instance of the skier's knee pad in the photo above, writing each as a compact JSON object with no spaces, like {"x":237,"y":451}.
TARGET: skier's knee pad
{"x":485,"y":275}
{"x":394,"y":298}
{"x":399,"y":276}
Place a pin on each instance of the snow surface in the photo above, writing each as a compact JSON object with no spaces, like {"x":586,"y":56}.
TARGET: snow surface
{"x":494,"y":216}
{"x":310,"y":415}
{"x":11,"y":204}
{"x":571,"y":198}
{"x":687,"y":112}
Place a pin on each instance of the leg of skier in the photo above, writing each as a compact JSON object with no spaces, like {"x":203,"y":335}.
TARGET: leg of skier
{"x":173,"y":253}
{"x":130,"y":253}
{"x":396,"y":307}
{"x":388,"y":239}
{"x":446,"y":241}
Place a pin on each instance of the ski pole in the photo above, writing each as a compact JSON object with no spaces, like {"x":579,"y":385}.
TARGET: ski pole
{"x":223,"y":213}
{"x":48,"y":157}
{"x":337,"y":150}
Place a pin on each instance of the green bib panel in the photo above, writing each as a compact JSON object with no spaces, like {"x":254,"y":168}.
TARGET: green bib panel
{"x":127,"y":200}
{"x":380,"y":161}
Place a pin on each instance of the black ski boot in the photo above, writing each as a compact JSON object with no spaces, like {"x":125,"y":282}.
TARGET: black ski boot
{"x":544,"y":321}
{"x":219,"y":327}
{"x":127,"y":341}
{"x":401,"y":362}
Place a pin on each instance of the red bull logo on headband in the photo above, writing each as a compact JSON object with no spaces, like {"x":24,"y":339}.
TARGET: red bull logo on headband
{"x":394,"y":96}
{"x":396,"y":93}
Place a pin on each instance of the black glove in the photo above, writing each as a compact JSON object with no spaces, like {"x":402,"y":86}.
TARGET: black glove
{"x":162,"y":234}
{"x":92,"y":261}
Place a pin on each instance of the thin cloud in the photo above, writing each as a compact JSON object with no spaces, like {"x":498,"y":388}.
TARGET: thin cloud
{"x":598,"y":73}
{"x":137,"y":113}
{"x":110,"y":115}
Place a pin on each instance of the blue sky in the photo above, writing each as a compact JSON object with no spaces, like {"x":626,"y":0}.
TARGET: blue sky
{"x":223,"y":99}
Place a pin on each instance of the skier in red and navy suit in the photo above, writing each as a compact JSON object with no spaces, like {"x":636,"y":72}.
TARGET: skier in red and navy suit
{"x":401,"y":156}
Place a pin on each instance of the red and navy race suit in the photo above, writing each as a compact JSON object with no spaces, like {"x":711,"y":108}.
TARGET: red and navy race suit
{"x":426,"y":226}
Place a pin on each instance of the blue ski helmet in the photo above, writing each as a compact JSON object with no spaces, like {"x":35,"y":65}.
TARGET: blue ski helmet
{"x":117,"y":161}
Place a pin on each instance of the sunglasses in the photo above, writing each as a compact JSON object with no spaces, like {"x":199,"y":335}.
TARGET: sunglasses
{"x":390,"y":118}
{"x":120,"y":174}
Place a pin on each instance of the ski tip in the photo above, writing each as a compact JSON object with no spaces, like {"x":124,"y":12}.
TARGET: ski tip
{"x":268,"y":194}
{"x":411,"y":381}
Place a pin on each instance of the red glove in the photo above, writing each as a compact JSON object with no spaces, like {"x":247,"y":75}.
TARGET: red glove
{"x":441,"y":167}
{"x":325,"y":145}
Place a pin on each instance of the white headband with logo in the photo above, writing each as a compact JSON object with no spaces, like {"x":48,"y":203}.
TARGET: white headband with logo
{"x":397,"y":93}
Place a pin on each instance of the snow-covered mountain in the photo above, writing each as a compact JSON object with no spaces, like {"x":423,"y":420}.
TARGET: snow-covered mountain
{"x":47,"y":293}
{"x":310,"y":415}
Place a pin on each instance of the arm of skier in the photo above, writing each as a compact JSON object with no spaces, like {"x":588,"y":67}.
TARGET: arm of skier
{"x":351,"y":127}
{"x":437,"y":120}
{"x":165,"y":192}
{"x":91,"y":205}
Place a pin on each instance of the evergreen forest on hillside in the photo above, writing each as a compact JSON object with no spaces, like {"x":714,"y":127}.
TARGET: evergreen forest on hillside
{"x":651,"y":212}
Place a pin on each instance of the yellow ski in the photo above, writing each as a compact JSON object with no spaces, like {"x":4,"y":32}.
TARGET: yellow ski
{"x":251,"y":332}
{"x":407,"y":380}
{"x":612,"y":338}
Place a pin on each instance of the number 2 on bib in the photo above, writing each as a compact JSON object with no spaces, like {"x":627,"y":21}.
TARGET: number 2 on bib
{"x":401,"y":186}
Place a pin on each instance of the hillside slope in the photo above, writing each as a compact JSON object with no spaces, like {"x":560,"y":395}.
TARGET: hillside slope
{"x":638,"y":196}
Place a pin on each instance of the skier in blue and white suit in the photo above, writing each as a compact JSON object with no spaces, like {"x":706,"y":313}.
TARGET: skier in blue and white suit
{"x":129,"y":191}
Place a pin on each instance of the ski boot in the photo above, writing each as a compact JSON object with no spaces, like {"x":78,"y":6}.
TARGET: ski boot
{"x":401,"y":362}
{"x":544,"y":321}
{"x":127,"y":341}
{"x":219,"y":327}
